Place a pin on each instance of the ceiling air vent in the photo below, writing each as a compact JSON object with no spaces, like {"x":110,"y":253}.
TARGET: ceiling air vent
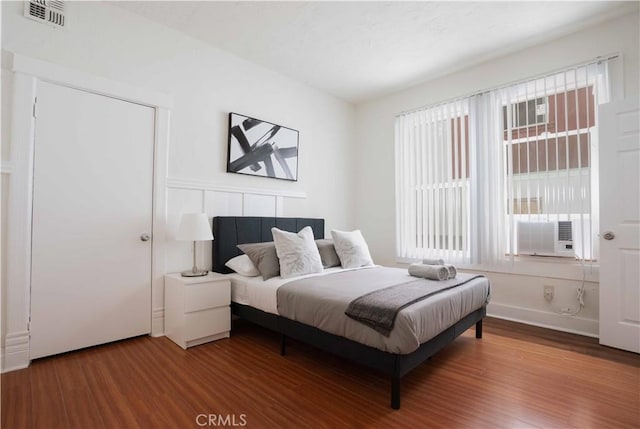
{"x":46,"y":11}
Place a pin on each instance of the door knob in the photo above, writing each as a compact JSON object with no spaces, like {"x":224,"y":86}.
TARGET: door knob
{"x":608,"y":235}
{"x":145,"y":237}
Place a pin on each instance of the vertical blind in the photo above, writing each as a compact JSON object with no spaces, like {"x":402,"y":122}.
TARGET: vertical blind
{"x":471,"y":171}
{"x":432,"y":183}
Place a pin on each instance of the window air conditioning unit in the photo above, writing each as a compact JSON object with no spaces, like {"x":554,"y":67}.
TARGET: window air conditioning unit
{"x":546,"y":238}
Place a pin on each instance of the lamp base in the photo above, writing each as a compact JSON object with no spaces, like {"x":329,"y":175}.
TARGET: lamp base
{"x":192,"y":273}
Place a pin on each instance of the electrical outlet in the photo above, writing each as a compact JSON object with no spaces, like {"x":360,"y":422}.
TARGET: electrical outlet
{"x":548,"y":293}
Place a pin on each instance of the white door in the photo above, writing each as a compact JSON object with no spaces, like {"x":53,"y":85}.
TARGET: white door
{"x":93,"y":177}
{"x":620,"y":225}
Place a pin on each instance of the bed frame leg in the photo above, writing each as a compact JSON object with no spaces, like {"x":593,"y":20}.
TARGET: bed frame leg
{"x":395,"y":393}
{"x":479,"y":329}
{"x":395,"y":386}
{"x":283,"y":345}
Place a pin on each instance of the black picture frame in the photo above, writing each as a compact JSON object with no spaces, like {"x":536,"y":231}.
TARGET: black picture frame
{"x":261,"y":148}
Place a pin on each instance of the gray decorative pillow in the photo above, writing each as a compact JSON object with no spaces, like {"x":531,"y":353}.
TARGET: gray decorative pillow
{"x":328,"y":253}
{"x":351,"y":249}
{"x":264,"y":257}
{"x":298,"y":253}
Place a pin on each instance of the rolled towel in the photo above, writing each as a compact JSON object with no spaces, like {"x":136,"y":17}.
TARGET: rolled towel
{"x":452,"y":271}
{"x":428,"y":261}
{"x":431,"y":272}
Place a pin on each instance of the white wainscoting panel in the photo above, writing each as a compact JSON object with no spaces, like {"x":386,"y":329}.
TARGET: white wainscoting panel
{"x":184,"y":195}
{"x":259,"y":205}
{"x":219,"y":203}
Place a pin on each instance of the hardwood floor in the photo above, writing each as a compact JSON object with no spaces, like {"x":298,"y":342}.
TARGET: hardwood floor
{"x":516,"y":376}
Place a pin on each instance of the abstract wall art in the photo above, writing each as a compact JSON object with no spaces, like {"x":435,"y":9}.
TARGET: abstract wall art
{"x":260,"y":148}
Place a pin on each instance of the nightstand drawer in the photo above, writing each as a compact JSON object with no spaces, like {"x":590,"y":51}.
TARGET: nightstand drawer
{"x":197,"y":309}
{"x":206,"y":295}
{"x":207,"y":322}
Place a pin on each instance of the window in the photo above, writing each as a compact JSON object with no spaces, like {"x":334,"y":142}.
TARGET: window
{"x":526,"y":113}
{"x":470,"y":171}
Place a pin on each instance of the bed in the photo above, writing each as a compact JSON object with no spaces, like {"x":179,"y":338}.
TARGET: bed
{"x":251,"y":301}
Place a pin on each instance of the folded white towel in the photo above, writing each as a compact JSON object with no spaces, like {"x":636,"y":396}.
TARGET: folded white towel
{"x":432,"y":272}
{"x":428,"y":261}
{"x":452,"y":271}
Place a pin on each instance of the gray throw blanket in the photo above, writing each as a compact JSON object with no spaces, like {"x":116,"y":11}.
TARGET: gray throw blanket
{"x":379,"y":309}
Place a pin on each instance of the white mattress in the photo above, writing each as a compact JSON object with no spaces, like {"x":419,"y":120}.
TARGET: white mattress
{"x":262,"y":294}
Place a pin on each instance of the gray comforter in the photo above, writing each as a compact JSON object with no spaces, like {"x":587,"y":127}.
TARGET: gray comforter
{"x":379,"y":309}
{"x":321,"y":302}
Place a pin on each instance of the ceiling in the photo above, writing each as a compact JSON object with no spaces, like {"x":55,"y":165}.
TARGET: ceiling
{"x":360,"y":50}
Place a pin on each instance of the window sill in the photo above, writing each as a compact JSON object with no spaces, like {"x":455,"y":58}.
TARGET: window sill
{"x":535,"y":266}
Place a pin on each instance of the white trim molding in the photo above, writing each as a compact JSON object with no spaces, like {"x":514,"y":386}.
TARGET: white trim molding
{"x":157,"y":321}
{"x":204,"y":185}
{"x":545,"y":319}
{"x":15,"y":352}
{"x":159,"y":226}
{"x":80,"y":80}
{"x":16,"y":305}
{"x":6,"y":167}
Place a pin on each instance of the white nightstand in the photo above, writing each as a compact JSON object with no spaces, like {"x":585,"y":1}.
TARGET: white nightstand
{"x":196,"y":308}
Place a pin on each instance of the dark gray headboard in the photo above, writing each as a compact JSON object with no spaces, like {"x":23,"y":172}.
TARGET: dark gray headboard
{"x":229,"y":231}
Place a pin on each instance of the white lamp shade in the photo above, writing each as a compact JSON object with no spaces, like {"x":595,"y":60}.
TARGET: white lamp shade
{"x":194,"y":227}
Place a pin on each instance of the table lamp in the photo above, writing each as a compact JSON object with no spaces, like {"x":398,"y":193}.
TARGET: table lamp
{"x":194,"y":227}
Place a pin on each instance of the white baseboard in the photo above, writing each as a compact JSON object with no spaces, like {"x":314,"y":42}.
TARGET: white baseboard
{"x":15,"y":354}
{"x":157,"y":322}
{"x":545,"y":319}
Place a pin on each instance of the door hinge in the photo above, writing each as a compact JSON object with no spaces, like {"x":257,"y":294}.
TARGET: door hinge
{"x":35,"y":103}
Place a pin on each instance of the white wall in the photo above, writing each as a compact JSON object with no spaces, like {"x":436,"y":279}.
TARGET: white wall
{"x":514,"y":296}
{"x":205,"y":84}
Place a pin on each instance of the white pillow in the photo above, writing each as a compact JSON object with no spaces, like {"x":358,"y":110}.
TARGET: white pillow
{"x":297,"y":253}
{"x":351,"y":249}
{"x":243,"y":266}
